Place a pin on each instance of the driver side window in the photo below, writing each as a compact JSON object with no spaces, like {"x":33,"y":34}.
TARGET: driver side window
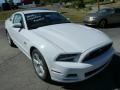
{"x":18,"y":19}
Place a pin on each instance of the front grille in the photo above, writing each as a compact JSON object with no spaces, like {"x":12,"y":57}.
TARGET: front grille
{"x":97,"y":52}
{"x":94,"y":71}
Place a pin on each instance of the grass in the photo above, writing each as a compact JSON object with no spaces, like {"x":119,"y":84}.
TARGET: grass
{"x":5,"y":14}
{"x":75,"y":15}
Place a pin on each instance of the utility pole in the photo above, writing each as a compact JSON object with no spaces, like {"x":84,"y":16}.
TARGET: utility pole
{"x":98,"y":4}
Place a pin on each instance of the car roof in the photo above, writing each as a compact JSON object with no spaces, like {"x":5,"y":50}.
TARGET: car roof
{"x":110,"y":8}
{"x":39,"y":9}
{"x":107,"y":8}
{"x":95,"y":10}
{"x":34,"y":11}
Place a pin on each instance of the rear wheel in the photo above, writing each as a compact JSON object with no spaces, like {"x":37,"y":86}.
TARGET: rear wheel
{"x":40,"y":65}
{"x":103,"y":23}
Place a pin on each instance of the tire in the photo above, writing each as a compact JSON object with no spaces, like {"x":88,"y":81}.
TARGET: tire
{"x":40,"y":65}
{"x":103,"y":23}
{"x":10,"y":41}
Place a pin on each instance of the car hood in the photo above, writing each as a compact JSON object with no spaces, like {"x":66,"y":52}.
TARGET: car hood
{"x":93,"y":14}
{"x":72,"y":37}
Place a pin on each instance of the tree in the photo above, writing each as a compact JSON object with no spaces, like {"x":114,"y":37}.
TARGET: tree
{"x":37,"y":1}
{"x":6,"y":1}
{"x":81,"y":4}
{"x":78,"y":3}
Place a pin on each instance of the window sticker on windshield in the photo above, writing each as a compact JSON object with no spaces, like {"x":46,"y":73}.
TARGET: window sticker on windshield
{"x":29,"y":16}
{"x":37,"y":20}
{"x":33,"y":17}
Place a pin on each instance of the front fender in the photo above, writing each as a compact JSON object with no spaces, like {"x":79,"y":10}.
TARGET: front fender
{"x":48,"y":51}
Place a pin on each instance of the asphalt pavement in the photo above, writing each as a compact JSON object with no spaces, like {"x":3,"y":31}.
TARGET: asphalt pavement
{"x":17,"y":73}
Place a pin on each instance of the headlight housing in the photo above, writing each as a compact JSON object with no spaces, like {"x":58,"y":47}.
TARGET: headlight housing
{"x":92,"y":18}
{"x":68,"y":57}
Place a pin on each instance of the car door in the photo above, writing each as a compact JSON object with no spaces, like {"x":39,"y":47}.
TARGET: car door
{"x":111,"y":16}
{"x":20,"y":34}
{"x":9,"y":27}
{"x":117,"y":15}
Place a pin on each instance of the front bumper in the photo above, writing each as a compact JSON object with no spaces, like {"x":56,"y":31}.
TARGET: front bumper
{"x":91,"y":23}
{"x":69,"y":72}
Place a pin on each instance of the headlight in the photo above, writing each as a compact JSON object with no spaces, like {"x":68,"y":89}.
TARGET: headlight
{"x":68,"y":57}
{"x":92,"y":18}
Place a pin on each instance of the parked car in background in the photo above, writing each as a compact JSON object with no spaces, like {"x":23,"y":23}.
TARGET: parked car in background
{"x":6,"y":6}
{"x":59,"y":50}
{"x":103,"y":17}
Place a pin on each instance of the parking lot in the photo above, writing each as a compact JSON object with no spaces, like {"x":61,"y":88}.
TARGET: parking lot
{"x":17,"y":73}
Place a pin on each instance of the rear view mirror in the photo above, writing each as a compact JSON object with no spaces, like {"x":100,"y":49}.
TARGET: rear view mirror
{"x":17,"y":25}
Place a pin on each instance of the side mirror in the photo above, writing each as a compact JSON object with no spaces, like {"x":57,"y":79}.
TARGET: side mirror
{"x":17,"y":25}
{"x":113,"y":12}
{"x":10,"y":19}
{"x":68,"y":18}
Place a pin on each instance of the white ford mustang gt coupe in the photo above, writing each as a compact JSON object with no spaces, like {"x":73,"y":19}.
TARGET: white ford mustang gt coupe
{"x":59,"y":50}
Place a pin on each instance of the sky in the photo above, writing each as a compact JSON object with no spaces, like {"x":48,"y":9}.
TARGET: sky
{"x":1,"y":1}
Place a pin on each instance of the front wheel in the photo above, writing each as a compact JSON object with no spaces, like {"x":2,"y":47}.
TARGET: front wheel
{"x":103,"y":23}
{"x":40,"y":65}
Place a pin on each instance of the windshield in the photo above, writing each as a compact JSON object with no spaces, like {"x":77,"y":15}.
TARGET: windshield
{"x":105,"y":11}
{"x":36,"y":20}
